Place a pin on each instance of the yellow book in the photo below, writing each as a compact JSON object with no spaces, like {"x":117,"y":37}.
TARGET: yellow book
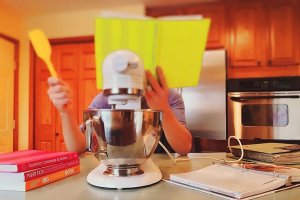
{"x":176,"y":44}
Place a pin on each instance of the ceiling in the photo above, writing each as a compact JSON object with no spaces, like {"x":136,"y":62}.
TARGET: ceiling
{"x":37,"y":7}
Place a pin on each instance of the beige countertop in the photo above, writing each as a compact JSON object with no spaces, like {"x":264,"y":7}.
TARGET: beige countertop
{"x":76,"y":187}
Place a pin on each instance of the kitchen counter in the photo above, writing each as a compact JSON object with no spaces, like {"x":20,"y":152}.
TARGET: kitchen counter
{"x":76,"y":187}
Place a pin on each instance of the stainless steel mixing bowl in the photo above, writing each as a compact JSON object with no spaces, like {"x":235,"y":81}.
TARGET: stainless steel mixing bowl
{"x":122,"y":139}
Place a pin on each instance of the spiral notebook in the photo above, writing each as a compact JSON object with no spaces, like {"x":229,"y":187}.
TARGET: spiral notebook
{"x":230,"y":181}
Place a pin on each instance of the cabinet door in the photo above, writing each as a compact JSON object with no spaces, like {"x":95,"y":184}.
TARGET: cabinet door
{"x":282,"y":38}
{"x":75,"y":64}
{"x":44,"y":111}
{"x":216,"y":12}
{"x":66,"y":59}
{"x":86,"y":78}
{"x":245,"y":21}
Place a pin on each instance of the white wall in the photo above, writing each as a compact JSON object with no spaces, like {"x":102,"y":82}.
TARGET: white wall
{"x":67,"y":24}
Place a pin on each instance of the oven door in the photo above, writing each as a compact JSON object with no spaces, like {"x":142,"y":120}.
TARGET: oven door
{"x":267,"y":115}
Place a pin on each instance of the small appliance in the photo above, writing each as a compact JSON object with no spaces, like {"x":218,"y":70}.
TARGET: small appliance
{"x":124,"y":137}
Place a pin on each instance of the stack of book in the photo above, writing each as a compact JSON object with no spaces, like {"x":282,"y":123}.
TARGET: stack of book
{"x":30,"y":169}
{"x":277,"y":153}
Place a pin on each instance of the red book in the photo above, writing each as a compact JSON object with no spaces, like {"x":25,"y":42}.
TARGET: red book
{"x":32,"y":174}
{"x":20,"y":161}
{"x":40,"y":181}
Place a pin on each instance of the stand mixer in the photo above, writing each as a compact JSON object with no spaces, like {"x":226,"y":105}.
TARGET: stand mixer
{"x":123,"y":137}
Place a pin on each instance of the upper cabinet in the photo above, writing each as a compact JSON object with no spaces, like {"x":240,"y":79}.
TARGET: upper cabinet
{"x":214,"y":11}
{"x":245,"y":41}
{"x":282,"y":34}
{"x":261,"y":36}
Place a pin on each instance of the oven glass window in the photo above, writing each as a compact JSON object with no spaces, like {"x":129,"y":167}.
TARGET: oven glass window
{"x":265,"y":115}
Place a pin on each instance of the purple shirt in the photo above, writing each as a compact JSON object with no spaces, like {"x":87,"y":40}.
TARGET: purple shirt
{"x":175,"y":102}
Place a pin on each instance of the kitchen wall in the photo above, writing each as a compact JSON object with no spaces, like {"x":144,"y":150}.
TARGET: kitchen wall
{"x":59,"y":25}
{"x":10,"y":23}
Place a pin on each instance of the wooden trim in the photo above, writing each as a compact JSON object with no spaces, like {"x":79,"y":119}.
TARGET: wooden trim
{"x":32,"y":91}
{"x":72,"y":40}
{"x":16,"y":99}
{"x":263,"y":71}
{"x":31,"y":98}
{"x":16,"y":90}
{"x":13,"y":40}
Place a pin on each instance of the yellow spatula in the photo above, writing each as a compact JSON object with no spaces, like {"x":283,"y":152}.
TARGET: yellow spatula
{"x":42,"y":48}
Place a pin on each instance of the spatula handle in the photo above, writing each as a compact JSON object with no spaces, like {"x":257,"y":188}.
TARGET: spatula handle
{"x":51,"y":68}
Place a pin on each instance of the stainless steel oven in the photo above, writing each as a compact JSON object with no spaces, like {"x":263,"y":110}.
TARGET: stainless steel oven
{"x":267,"y":108}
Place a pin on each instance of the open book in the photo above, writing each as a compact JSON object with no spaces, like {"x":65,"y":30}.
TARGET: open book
{"x":231,"y":181}
{"x":176,"y":44}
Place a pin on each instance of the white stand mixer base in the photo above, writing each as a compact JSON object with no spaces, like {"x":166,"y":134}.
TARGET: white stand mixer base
{"x":150,"y":176}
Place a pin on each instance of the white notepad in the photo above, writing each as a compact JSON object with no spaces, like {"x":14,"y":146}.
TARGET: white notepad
{"x":231,"y":181}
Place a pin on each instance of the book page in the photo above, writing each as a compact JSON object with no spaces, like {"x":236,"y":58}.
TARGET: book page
{"x":114,"y":34}
{"x":113,"y":14}
{"x":181,"y":44}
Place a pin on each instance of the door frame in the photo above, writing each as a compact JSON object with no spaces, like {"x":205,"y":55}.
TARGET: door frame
{"x":16,"y":89}
{"x":32,"y":92}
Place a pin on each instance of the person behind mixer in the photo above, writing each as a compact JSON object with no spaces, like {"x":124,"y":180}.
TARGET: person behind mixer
{"x":157,"y":96}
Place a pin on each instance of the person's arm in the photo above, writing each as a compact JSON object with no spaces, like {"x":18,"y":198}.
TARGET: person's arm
{"x":176,"y":133}
{"x":60,"y":95}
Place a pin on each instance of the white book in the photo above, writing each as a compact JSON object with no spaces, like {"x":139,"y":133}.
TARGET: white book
{"x":231,"y":181}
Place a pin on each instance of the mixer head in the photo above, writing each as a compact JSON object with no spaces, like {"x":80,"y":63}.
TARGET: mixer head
{"x":123,"y":79}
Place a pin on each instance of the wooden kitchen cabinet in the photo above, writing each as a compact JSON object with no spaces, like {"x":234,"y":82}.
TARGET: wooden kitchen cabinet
{"x":246,"y":42}
{"x":75,"y":64}
{"x":261,"y":36}
{"x":214,"y":11}
{"x":282,"y":33}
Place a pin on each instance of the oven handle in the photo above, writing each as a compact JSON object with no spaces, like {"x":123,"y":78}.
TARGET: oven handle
{"x":246,"y":98}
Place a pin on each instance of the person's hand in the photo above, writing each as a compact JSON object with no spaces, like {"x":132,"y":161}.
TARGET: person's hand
{"x":157,"y":93}
{"x":60,"y":94}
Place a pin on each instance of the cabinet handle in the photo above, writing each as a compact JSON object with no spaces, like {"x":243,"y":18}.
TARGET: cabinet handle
{"x":56,"y":134}
{"x":258,"y":63}
{"x":270,"y":62}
